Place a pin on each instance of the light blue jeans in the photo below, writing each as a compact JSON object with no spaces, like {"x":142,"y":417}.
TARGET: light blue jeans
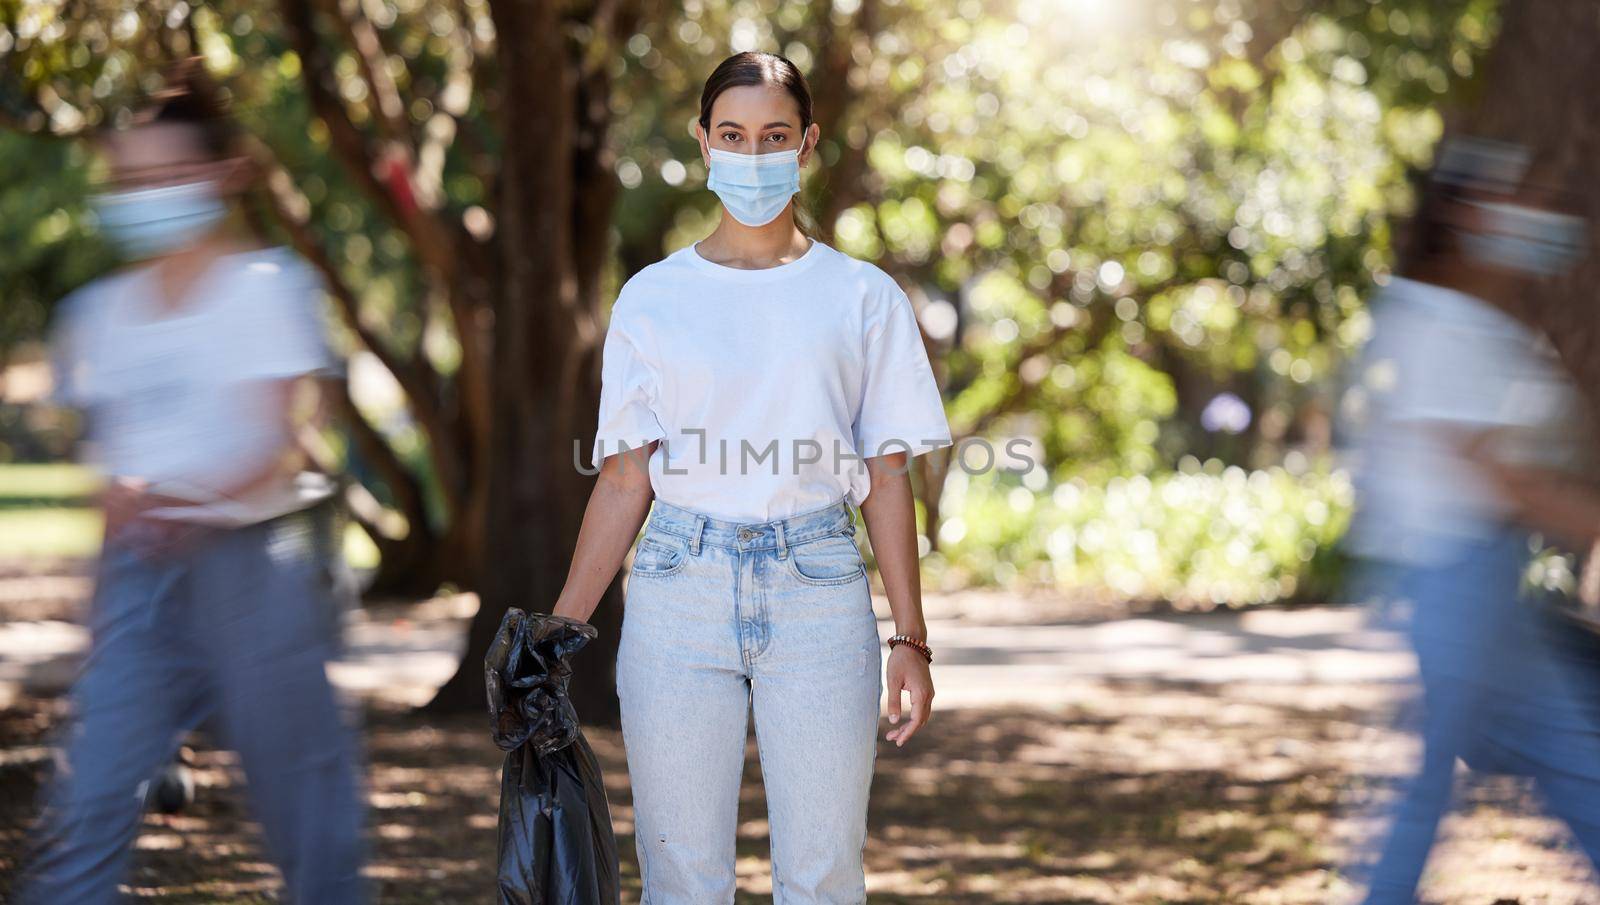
{"x":723,"y":619}
{"x":1507,"y":688}
{"x":235,"y":632}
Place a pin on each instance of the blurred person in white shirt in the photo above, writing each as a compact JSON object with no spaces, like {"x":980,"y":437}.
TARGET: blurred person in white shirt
{"x":1460,"y":396}
{"x":212,"y":601}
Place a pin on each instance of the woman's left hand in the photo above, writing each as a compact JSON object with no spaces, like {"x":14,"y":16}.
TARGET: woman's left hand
{"x":908,"y":672}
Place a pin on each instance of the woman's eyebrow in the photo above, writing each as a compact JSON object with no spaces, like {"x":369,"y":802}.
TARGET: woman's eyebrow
{"x":729,"y":122}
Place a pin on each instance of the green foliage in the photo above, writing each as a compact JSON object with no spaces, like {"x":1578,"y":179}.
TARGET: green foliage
{"x":59,"y":484}
{"x":1200,"y":537}
{"x":47,"y":241}
{"x":1207,"y":187}
{"x":1109,"y":212}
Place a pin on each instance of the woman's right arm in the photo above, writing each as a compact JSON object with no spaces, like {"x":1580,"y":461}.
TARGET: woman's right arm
{"x":617,"y":508}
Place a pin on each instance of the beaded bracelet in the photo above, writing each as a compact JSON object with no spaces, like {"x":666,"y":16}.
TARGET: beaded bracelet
{"x":920,"y":647}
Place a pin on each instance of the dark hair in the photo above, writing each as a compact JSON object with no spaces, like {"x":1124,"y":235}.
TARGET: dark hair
{"x":1466,"y":167}
{"x":753,"y":67}
{"x":1426,"y":237}
{"x":191,"y":99}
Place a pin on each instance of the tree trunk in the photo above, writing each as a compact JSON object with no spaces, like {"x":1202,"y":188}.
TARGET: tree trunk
{"x":554,"y":208}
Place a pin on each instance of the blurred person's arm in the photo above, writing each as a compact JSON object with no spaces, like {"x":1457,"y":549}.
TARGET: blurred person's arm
{"x":127,"y":498}
{"x":67,"y":348}
{"x":70,"y":341}
{"x":611,"y":522}
{"x":1549,"y":500}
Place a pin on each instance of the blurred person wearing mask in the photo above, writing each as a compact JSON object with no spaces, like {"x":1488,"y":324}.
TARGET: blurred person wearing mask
{"x":1462,"y":397}
{"x":211,"y":602}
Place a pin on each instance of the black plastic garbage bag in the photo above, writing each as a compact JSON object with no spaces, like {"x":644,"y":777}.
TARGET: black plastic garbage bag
{"x":556,"y":843}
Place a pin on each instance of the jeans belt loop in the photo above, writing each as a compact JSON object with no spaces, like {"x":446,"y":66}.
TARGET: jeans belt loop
{"x":777,"y":530}
{"x":694,"y":537}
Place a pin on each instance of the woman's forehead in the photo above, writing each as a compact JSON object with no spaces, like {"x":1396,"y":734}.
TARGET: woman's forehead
{"x":755,"y":107}
{"x":157,"y":144}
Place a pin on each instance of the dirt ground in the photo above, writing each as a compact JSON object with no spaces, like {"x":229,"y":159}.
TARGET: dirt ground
{"x":1115,"y":790}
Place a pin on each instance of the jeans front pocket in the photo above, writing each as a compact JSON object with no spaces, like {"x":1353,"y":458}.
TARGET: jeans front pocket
{"x":659,"y":554}
{"x":831,"y":560}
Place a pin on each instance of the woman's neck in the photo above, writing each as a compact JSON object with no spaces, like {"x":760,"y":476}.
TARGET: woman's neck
{"x":177,"y":272}
{"x":1507,"y":291}
{"x":732,"y":244}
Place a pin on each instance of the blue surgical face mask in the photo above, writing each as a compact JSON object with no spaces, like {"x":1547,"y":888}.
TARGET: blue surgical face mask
{"x":754,"y":188}
{"x":1528,"y":240}
{"x":149,"y":222}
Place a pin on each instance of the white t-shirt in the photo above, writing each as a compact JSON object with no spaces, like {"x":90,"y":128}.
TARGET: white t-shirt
{"x":177,"y":396}
{"x":1441,"y":360}
{"x":768,"y":388}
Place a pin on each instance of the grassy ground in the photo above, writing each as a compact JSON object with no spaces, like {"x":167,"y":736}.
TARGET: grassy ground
{"x":45,"y":512}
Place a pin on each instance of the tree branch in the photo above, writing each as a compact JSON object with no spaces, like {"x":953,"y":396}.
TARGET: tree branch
{"x":388,"y":108}
{"x":421,"y":384}
{"x":461,"y":266}
{"x":434,"y":245}
{"x":375,"y":451}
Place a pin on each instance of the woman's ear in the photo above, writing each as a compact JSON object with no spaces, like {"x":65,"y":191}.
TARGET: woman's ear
{"x":813,"y":134}
{"x":700,"y":137}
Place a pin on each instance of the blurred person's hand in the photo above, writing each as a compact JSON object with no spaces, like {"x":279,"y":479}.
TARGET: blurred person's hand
{"x":122,"y":501}
{"x":125,"y":502}
{"x":155,"y":538}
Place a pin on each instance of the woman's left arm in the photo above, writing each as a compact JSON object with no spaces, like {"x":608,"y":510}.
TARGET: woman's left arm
{"x":892,"y":528}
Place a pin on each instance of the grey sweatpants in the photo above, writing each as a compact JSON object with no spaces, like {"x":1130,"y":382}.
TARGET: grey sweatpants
{"x":236,"y":629}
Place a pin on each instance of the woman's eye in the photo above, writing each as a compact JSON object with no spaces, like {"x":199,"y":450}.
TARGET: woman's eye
{"x":730,"y":136}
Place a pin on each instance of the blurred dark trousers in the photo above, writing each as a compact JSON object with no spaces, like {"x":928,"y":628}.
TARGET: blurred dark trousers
{"x":1508,"y":687}
{"x":236,"y":630}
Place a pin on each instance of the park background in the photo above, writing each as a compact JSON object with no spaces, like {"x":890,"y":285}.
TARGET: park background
{"x":1140,"y":236}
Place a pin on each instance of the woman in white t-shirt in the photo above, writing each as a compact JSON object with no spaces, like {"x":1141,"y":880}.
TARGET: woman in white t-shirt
{"x":756,"y":385}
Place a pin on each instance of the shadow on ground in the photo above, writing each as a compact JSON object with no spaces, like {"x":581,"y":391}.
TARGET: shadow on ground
{"x":1152,"y":794}
{"x":1099,"y":784}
